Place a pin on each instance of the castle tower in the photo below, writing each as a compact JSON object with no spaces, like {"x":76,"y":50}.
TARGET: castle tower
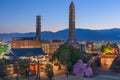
{"x":38,"y":28}
{"x":71,"y":37}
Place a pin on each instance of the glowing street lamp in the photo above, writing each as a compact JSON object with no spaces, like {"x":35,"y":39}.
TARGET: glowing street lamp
{"x":17,"y":70}
{"x":38,"y":72}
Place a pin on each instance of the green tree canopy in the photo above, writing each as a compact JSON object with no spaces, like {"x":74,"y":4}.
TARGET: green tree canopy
{"x":67,"y":55}
{"x":109,"y":48}
{"x":49,"y":71}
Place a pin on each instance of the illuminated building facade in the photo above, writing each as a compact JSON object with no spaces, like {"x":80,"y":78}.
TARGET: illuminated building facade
{"x":25,"y":44}
{"x":48,"y":47}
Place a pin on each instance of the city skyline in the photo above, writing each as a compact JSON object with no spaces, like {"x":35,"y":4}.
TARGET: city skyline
{"x":20,"y":15}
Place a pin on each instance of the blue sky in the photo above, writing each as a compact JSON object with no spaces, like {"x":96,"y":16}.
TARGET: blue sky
{"x":20,"y":15}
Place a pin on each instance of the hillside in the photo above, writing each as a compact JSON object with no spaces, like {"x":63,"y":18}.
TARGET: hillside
{"x":81,"y":35}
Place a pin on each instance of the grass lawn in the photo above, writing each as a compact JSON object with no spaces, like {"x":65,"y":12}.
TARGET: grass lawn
{"x":3,"y":48}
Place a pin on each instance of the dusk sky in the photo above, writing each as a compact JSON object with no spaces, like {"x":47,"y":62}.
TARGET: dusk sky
{"x":20,"y":15}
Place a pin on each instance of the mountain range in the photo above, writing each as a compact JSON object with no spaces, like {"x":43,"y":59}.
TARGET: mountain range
{"x":81,"y":35}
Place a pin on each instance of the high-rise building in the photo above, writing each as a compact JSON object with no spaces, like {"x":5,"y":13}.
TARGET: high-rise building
{"x":71,"y":37}
{"x":38,"y":28}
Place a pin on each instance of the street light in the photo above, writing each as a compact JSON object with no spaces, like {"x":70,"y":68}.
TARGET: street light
{"x":33,"y":64}
{"x":17,"y":70}
{"x":49,"y":71}
{"x":38,"y":73}
{"x":28,"y":69}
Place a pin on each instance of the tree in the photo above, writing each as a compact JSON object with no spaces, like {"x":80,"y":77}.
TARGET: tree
{"x":67,"y":55}
{"x":2,"y":68}
{"x":23,"y":66}
{"x":110,"y":48}
{"x":64,"y":59}
{"x":49,"y":71}
{"x":28,"y":65}
{"x":81,"y":69}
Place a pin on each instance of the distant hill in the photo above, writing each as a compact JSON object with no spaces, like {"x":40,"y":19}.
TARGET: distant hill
{"x":81,"y":35}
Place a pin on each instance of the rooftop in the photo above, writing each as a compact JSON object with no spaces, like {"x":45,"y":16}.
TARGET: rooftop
{"x":27,"y":51}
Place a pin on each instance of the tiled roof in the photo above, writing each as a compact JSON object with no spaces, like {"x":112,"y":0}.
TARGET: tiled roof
{"x":27,"y":51}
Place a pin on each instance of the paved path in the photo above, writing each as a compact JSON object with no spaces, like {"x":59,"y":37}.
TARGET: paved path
{"x":99,"y":75}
